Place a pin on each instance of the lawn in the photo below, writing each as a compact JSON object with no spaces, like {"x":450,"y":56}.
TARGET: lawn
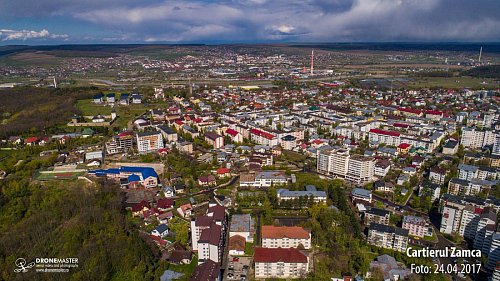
{"x":89,"y":108}
{"x":225,"y":192}
{"x":124,"y":113}
{"x":186,"y":269}
{"x":249,"y":248}
{"x":454,"y":82}
{"x":293,"y":156}
{"x":432,"y":238}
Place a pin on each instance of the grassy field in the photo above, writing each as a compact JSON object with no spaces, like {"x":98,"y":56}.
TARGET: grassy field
{"x":29,"y":59}
{"x":125,"y":113}
{"x":454,"y":83}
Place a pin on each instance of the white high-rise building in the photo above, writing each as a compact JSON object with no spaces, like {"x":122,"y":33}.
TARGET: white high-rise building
{"x":333,"y":162}
{"x":472,"y":138}
{"x":496,"y":145}
{"x":361,"y":169}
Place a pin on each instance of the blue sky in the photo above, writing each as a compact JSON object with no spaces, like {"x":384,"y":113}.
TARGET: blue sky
{"x":154,"y":21}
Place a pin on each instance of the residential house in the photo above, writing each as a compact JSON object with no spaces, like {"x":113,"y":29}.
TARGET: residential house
{"x":160,"y":231}
{"x":185,"y":210}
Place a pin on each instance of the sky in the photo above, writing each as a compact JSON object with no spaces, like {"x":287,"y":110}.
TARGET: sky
{"x":42,"y":22}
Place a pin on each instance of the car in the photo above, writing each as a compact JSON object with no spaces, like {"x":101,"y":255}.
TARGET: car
{"x":236,"y":259}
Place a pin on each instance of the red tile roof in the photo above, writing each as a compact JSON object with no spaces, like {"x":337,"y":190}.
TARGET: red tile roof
{"x":410,"y":110}
{"x":208,"y":270}
{"x":278,"y":232}
{"x":383,"y":132}
{"x":232,"y":132}
{"x":268,"y":255}
{"x":165,"y":203}
{"x":31,"y":140}
{"x":434,"y":112}
{"x":400,"y":125}
{"x":262,"y":134}
{"x":140,"y":206}
{"x":222,"y":171}
{"x":211,"y":235}
{"x":404,"y":145}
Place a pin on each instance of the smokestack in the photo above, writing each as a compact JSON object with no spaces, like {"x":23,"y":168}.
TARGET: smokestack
{"x":312,"y":62}
{"x":480,"y":53}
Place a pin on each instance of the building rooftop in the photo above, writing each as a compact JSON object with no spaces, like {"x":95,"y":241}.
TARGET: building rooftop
{"x":278,"y":232}
{"x":273,"y":255}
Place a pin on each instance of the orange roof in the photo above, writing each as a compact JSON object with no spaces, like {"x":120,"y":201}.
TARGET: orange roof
{"x":278,"y":232}
{"x":237,"y":242}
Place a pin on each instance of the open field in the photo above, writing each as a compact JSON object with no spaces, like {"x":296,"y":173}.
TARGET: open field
{"x":30,"y":58}
{"x":454,"y":83}
{"x":124,"y":113}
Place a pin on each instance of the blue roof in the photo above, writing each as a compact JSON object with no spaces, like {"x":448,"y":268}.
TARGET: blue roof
{"x":361,"y":192}
{"x":145,"y":172}
{"x":98,"y":96}
{"x":133,"y":178}
{"x":113,"y":171}
{"x":161,"y":228}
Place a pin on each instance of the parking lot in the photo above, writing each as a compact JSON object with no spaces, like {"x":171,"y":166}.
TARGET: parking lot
{"x":237,"y":268}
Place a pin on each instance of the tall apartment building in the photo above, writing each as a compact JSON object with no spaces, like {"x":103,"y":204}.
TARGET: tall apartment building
{"x":496,"y":273}
{"x":280,"y":263}
{"x":472,"y":138}
{"x":388,"y":237}
{"x":333,"y":162}
{"x":496,"y":145}
{"x":208,"y":234}
{"x":122,"y":142}
{"x":361,"y":169}
{"x":376,"y":215}
{"x":468,"y":224}
{"x":494,"y":253}
{"x":149,"y":141}
{"x":285,"y":237}
{"x":416,"y":226}
{"x":450,"y":219}
{"x":486,"y":227}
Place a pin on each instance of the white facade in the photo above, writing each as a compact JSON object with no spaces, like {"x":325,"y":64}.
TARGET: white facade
{"x":361,"y":169}
{"x":281,"y":270}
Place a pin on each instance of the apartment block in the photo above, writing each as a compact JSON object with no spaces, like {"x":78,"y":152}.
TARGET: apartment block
{"x":388,"y":237}
{"x":416,"y":226}
{"x":280,"y":263}
{"x":376,"y":215}
{"x":361,"y":169}
{"x":285,"y":237}
{"x":149,"y":141}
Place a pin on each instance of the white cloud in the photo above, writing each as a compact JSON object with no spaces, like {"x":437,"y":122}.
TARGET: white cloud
{"x":22,"y":35}
{"x":298,"y":20}
{"x":284,"y":28}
